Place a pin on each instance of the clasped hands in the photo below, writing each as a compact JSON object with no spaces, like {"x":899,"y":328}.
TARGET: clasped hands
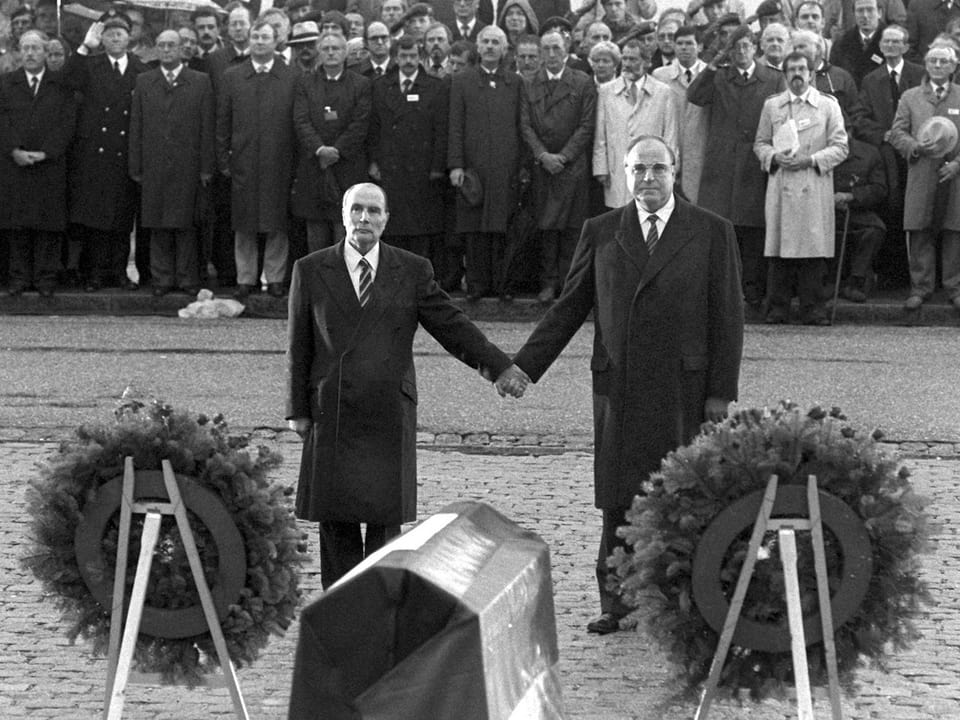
{"x":512,"y":381}
{"x":25,"y":158}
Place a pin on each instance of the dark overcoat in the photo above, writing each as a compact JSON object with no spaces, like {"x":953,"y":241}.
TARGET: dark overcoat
{"x":171,"y":145}
{"x":876,"y":100}
{"x":35,"y":196}
{"x":256,"y":144}
{"x":849,"y":53}
{"x":102,"y":195}
{"x":485,"y":137}
{"x":335,"y":114}
{"x":408,"y":141}
{"x":668,"y":334}
{"x":732,"y":183}
{"x":560,"y":120}
{"x":350,"y":370}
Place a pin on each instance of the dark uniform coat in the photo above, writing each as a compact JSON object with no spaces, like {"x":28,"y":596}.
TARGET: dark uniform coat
{"x":560,"y":120}
{"x":408,"y":141}
{"x":171,"y":145}
{"x":102,"y":195}
{"x":350,"y":370}
{"x":732,"y":184}
{"x":668,"y":335}
{"x":35,"y":197}
{"x":849,"y":53}
{"x":256,"y":143}
{"x":335,"y":113}
{"x":485,"y":137}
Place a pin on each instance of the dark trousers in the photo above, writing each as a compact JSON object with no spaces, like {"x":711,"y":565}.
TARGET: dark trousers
{"x":484,"y":262}
{"x":610,"y":601}
{"x":173,"y":258}
{"x":103,"y":255}
{"x":806,"y":274}
{"x":342,"y":547}
{"x":34,"y":258}
{"x":862,"y":246}
{"x":556,"y":253}
{"x":752,"y":263}
{"x":221,"y":240}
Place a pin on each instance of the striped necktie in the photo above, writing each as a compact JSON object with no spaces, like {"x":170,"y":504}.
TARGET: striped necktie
{"x":653,"y":236}
{"x":366,"y":282}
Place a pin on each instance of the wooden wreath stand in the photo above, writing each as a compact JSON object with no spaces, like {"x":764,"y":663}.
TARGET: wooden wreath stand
{"x":786,"y":529}
{"x":120,"y":653}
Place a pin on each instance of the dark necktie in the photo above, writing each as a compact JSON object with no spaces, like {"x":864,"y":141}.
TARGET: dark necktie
{"x":379,"y":71}
{"x":940,"y":91}
{"x":406,"y":86}
{"x":464,"y":31}
{"x":894,"y":87}
{"x":34,"y":85}
{"x":171,"y":78}
{"x":366,"y":282}
{"x":653,"y":236}
{"x":689,"y":75}
{"x":437,"y":68}
{"x":116,"y":69}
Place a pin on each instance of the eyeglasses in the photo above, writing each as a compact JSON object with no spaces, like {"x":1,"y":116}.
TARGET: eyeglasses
{"x":378,"y":38}
{"x":658,"y":169}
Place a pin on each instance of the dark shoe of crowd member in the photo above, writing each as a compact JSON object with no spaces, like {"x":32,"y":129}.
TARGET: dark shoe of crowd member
{"x":546,"y":296}
{"x":604,"y":625}
{"x":275,"y":290}
{"x":15,"y":291}
{"x":244,"y":291}
{"x":129,"y":285}
{"x":775,"y":317}
{"x":191,"y":290}
{"x":161,"y":290}
{"x":855,"y":290}
{"x":46,"y":291}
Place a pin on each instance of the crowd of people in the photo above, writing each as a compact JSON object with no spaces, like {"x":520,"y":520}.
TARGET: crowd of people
{"x":222,"y":141}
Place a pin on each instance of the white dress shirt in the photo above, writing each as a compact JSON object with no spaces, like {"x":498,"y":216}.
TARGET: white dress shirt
{"x":663,"y":216}
{"x":352,"y":257}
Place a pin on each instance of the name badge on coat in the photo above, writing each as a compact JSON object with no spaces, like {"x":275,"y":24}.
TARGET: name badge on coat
{"x":413,"y":98}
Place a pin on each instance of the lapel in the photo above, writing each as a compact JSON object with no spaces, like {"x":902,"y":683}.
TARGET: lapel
{"x":629,"y":236}
{"x":333,"y":273}
{"x":385,"y":287}
{"x":564,"y":87}
{"x":676,"y":234}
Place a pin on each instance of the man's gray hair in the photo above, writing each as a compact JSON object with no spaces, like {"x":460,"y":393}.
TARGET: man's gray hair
{"x":492,"y":30}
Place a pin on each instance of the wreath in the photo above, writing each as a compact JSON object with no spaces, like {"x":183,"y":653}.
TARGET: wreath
{"x":218,"y":463}
{"x":734,"y":459}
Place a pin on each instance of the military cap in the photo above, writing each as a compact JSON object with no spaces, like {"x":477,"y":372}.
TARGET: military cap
{"x":556,"y":23}
{"x":114,"y":18}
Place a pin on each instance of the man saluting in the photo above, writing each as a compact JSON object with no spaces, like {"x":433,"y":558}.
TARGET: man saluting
{"x":352,"y":392}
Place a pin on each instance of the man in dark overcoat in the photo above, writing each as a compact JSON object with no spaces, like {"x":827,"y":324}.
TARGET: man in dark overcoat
{"x":408,"y":151}
{"x":331,"y":116}
{"x":171,"y":155}
{"x":733,"y":86}
{"x":38,"y":116}
{"x":255,"y":149}
{"x":351,"y":383}
{"x":103,"y":199}
{"x":485,"y":138}
{"x":558,"y":111}
{"x":667,"y":339}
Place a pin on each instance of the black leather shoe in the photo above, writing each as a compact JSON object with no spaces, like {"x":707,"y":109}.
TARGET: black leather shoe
{"x":546,"y":296}
{"x":91,"y":286}
{"x":275,"y":290}
{"x":243,"y":291}
{"x":604,"y":625}
{"x":130,"y":286}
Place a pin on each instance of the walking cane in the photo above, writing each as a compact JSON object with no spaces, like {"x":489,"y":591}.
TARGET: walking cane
{"x":843,"y":249}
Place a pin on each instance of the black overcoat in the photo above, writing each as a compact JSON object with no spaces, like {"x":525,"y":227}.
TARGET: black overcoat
{"x":733,"y":184}
{"x":408,"y":141}
{"x":256,"y":143}
{"x":350,"y":370}
{"x":102,"y":195}
{"x":335,"y":114}
{"x":668,"y":333}
{"x":171,"y":145}
{"x":485,"y":137}
{"x":35,"y":196}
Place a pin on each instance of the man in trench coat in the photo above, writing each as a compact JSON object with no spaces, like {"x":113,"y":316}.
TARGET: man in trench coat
{"x":558,"y":110}
{"x":351,"y":383}
{"x":667,"y":341}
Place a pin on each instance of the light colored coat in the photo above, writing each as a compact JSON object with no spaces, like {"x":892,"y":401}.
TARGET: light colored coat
{"x":618,"y":123}
{"x":694,"y":122}
{"x":917,"y":105}
{"x":799,"y":206}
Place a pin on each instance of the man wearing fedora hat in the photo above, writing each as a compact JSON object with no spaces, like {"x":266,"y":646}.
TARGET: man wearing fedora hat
{"x":303,"y":40}
{"x":925,"y":131}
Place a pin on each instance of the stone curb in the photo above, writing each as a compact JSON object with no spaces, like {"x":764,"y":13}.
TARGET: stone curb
{"x":884,"y":310}
{"x":485,"y":443}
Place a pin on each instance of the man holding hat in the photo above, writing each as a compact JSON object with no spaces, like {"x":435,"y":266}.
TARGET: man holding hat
{"x":925,"y":131}
{"x":103,"y":198}
{"x":303,"y":41}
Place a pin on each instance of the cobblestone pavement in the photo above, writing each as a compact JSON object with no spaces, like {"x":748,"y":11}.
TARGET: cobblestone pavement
{"x":619,"y":676}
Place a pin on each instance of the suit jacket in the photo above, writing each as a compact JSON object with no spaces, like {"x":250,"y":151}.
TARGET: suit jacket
{"x":336,"y":114}
{"x":877,"y":101}
{"x":350,"y":370}
{"x":102,"y":195}
{"x":732,"y":184}
{"x":171,"y":145}
{"x":35,"y":196}
{"x":668,"y":333}
{"x":848,"y":52}
{"x":365,"y":68}
{"x":408,"y":141}
{"x":256,"y":143}
{"x":618,"y":122}
{"x":472,"y":36}
{"x":560,"y":120}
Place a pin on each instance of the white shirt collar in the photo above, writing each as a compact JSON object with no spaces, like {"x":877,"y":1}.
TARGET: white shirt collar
{"x":121,"y":61}
{"x":749,"y":71}
{"x":175,"y":71}
{"x":804,"y":96}
{"x":663,"y":214}
{"x":38,"y":76}
{"x":382,"y":66}
{"x":411,"y":78}
{"x":469,"y":24}
{"x":898,"y":68}
{"x":551,"y":76}
{"x":352,"y":257}
{"x":267,"y":66}
{"x":335,"y":77}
